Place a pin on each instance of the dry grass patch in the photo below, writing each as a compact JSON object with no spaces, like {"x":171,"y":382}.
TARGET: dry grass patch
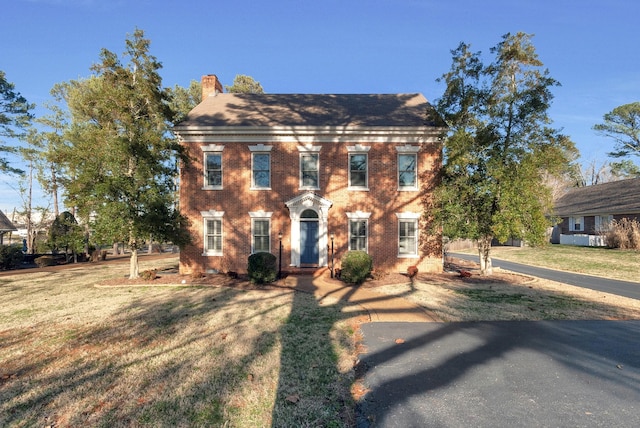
{"x":78,"y":355}
{"x":505,"y":296}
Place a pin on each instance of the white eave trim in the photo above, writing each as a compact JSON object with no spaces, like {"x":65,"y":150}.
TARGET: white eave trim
{"x":308,"y":134}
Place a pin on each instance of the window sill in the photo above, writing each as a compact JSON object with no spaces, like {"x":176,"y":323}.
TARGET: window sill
{"x":211,"y":254}
{"x":358,"y":189}
{"x":408,"y":189}
{"x":211,"y":187}
{"x":259,"y":188}
{"x":408,"y":256}
{"x":308,"y":188}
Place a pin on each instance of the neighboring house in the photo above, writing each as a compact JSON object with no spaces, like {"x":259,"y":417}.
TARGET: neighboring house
{"x":585,"y":211}
{"x":5,"y":226}
{"x":312,"y":173}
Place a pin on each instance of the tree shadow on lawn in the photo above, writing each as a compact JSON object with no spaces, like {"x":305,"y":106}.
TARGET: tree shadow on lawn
{"x":159,"y":361}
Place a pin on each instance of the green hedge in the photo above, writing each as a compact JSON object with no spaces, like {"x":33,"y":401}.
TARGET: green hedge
{"x":262,"y":268}
{"x":356,"y":267}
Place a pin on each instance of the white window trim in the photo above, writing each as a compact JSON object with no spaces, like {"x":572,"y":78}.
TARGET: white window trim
{"x":308,"y":150}
{"x":602,"y":225}
{"x":260,"y":149}
{"x":209,"y":150}
{"x":404,"y":217}
{"x":358,"y":149}
{"x":572,"y":224}
{"x":358,"y":215}
{"x":211,"y":215}
{"x":260,"y":215}
{"x":408,"y":150}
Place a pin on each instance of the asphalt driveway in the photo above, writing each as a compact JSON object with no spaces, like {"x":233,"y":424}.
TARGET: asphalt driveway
{"x":501,"y":374}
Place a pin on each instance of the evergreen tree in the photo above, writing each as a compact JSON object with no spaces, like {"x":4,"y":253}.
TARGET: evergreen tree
{"x":121,"y":160}
{"x":500,"y":147}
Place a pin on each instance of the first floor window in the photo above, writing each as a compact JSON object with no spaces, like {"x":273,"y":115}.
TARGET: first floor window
{"x":358,"y":235}
{"x":408,"y":237}
{"x":260,"y":232}
{"x":576,"y":224}
{"x":212,"y":232}
{"x":214,"y":236}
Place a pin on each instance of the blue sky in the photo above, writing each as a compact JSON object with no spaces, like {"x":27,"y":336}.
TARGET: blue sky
{"x":332,"y":46}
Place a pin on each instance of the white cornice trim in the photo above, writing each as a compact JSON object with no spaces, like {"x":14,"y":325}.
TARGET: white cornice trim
{"x":308,"y":134}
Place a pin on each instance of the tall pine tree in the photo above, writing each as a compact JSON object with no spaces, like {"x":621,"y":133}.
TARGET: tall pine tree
{"x":121,"y":157}
{"x":499,"y":147}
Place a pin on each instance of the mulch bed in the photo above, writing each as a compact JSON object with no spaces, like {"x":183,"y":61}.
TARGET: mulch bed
{"x":455,"y":271}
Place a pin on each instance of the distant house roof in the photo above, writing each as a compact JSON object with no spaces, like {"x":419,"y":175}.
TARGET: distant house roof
{"x":616,"y":197}
{"x":326,"y":110}
{"x":5,"y":224}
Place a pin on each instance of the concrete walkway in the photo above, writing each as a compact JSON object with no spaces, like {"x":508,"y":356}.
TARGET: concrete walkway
{"x":377,"y":307}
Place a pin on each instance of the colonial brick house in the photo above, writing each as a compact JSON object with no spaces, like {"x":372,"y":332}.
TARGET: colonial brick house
{"x":585,"y":211}
{"x":317,"y":174}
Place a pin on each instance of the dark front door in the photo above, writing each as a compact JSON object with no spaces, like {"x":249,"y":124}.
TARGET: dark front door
{"x":309,"y":242}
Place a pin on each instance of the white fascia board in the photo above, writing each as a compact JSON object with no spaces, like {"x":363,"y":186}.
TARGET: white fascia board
{"x":308,"y":134}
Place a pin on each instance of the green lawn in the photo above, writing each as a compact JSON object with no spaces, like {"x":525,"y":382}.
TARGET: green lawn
{"x":605,"y":262}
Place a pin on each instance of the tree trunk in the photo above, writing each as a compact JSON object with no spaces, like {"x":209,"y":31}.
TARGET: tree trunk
{"x":116,"y":248}
{"x":484,"y":250}
{"x":133,"y":266}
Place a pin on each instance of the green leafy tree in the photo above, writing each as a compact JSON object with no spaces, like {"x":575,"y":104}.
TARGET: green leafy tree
{"x":15,"y":116}
{"x":121,"y":155}
{"x":622,"y":124}
{"x":499,"y":148}
{"x":245,"y":85}
{"x":183,"y":100}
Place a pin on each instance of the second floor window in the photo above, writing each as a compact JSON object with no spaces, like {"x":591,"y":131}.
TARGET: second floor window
{"x":309,"y":170}
{"x":407,"y":178}
{"x":358,"y":170}
{"x":213,"y":175}
{"x":261,"y":170}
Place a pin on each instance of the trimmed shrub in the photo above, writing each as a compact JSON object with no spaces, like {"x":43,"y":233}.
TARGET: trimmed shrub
{"x":10,"y":257}
{"x":356,"y":267}
{"x":262,"y":268}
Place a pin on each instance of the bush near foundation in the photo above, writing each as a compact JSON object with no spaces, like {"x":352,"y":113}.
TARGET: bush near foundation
{"x":262,"y":268}
{"x":356,"y":267}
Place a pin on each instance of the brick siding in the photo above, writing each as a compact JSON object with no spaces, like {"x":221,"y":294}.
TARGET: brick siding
{"x":236,"y":199}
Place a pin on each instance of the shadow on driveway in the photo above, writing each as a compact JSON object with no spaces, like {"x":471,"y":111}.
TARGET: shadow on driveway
{"x":511,"y":373}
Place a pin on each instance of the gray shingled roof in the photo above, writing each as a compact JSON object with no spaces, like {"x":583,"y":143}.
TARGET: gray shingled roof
{"x":616,"y":197}
{"x":313,"y":110}
{"x":5,"y":224}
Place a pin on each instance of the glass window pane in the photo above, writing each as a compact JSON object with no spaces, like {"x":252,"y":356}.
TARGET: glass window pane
{"x":358,"y":170}
{"x":261,"y":178}
{"x":214,"y":162}
{"x":214,"y":235}
{"x":310,"y":178}
{"x":407,"y":170}
{"x":214,"y":178}
{"x":261,"y":170}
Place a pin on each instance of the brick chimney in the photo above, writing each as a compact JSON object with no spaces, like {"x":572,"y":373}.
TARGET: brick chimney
{"x":210,"y":85}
